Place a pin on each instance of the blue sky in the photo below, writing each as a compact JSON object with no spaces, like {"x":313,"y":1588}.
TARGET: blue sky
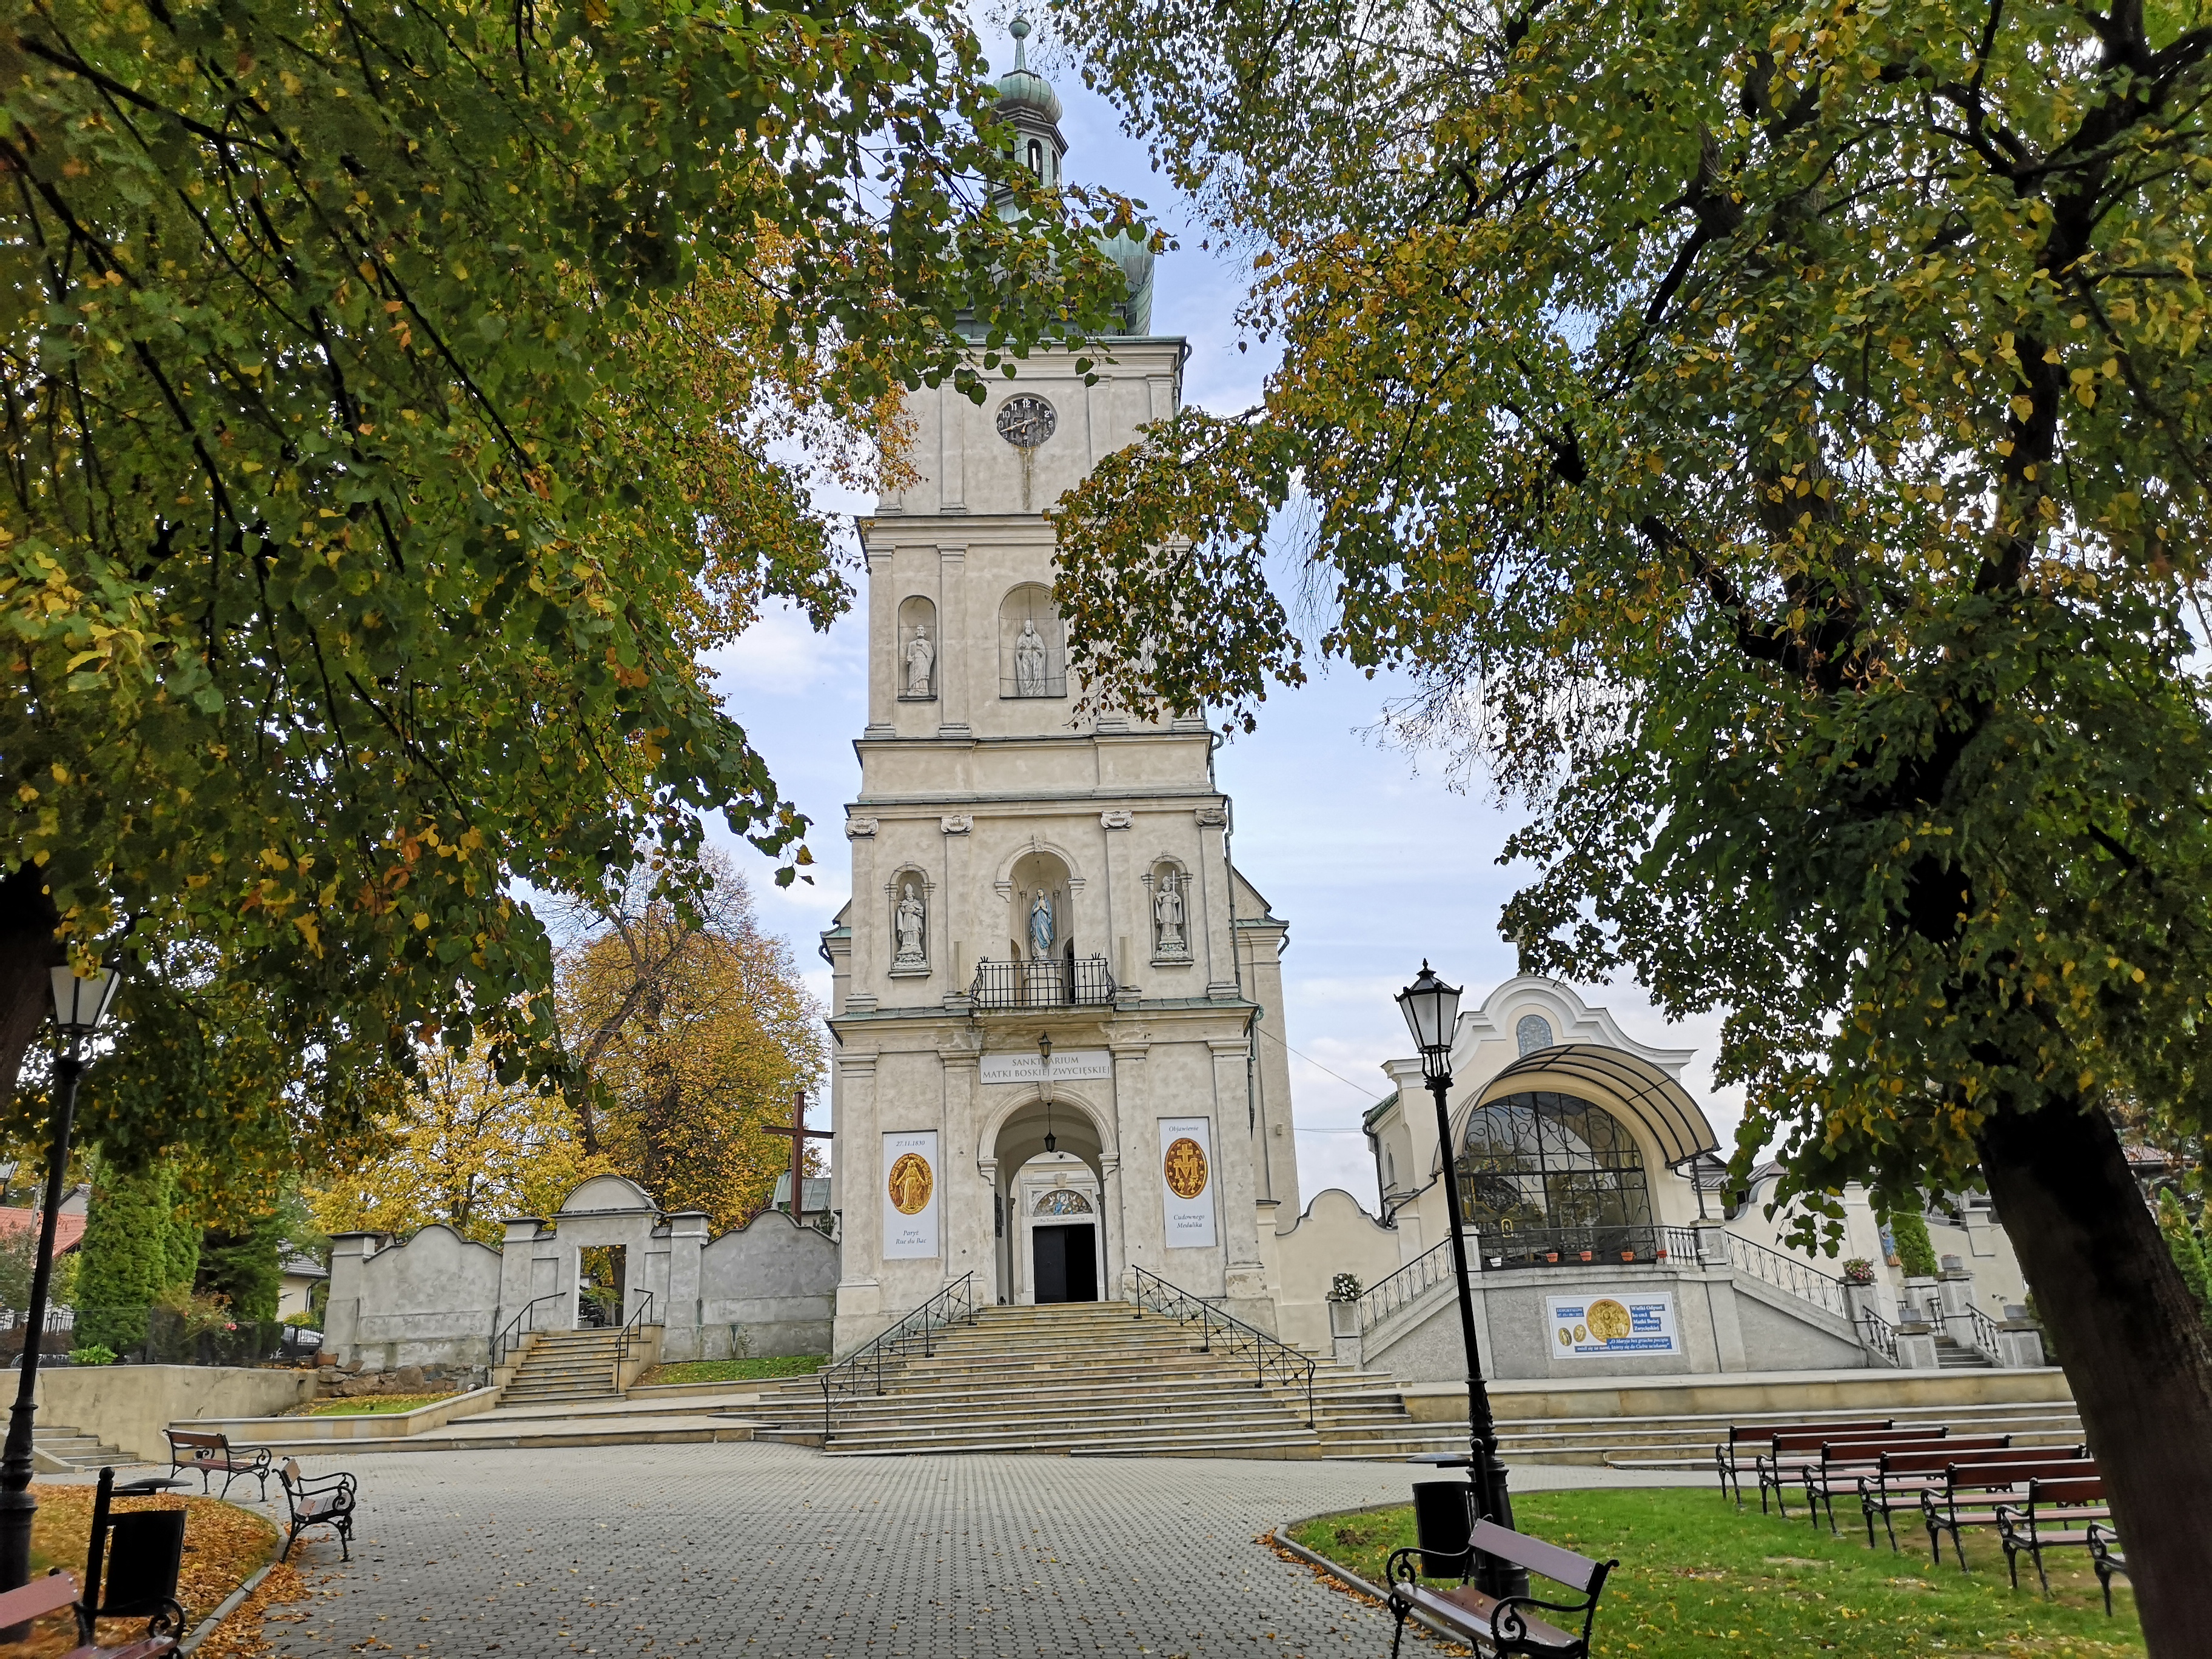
{"x":1372,"y":860}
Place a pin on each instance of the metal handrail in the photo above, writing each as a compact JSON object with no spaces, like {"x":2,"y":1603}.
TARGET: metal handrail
{"x":1984,"y":1330}
{"x":634,"y":1322}
{"x":1879,"y":1335}
{"x":1149,"y":1293}
{"x":956,"y":1305}
{"x":1408,"y":1285}
{"x":500,"y":1341}
{"x":1786,"y":1272}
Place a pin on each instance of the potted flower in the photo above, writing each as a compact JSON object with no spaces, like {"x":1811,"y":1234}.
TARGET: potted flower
{"x":1858,"y":1271}
{"x":1551,"y":1256}
{"x":1628,"y":1256}
{"x":1344,"y":1305}
{"x":1587,"y":1255}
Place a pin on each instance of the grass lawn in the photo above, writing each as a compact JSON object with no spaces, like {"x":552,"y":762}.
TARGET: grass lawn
{"x":224,"y":1544}
{"x":1699,"y":1578}
{"x":368,"y":1405}
{"x":736,"y":1370}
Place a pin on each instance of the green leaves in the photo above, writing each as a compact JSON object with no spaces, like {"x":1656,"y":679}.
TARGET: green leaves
{"x":392,"y":398}
{"x":1776,"y":440}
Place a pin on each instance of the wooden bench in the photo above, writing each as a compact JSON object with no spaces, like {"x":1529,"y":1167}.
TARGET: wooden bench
{"x":321,"y":1501}
{"x":1900,"y":1477}
{"x":59,"y":1590}
{"x":1791,"y":1452}
{"x":1841,"y":1464}
{"x":213,"y":1454}
{"x":2057,"y":1515}
{"x":1725,"y":1456}
{"x":1970,"y":1497}
{"x":2105,"y":1556}
{"x":1499,"y":1625}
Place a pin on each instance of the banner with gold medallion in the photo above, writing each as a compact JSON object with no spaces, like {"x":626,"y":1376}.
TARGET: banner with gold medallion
{"x":910,"y":1194}
{"x":1187,"y":1182}
{"x":1637,"y":1325}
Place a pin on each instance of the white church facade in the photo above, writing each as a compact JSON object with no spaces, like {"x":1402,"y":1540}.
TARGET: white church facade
{"x":1027,"y":877}
{"x":1059,"y":1060}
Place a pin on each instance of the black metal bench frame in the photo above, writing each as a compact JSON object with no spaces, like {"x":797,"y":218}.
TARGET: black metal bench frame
{"x":323,"y":1500}
{"x":211,"y":1453}
{"x":1504,"y":1625}
{"x":2050,"y":1520}
{"x":2107,"y":1559}
{"x":1999,"y":1484}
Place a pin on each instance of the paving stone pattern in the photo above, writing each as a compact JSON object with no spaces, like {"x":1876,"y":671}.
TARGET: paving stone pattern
{"x":655,"y":1552}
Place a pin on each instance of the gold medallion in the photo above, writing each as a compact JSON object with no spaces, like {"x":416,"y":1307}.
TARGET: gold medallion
{"x":1608,"y":1320}
{"x":910,"y":1183}
{"x":1185,"y":1167}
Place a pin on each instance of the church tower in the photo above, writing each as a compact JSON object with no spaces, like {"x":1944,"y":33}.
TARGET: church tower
{"x":1057,"y":1006}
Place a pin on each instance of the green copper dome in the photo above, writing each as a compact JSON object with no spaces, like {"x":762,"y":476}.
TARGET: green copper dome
{"x":1021,"y":87}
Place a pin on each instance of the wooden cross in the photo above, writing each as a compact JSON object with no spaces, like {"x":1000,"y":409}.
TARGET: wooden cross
{"x":801,"y":1134}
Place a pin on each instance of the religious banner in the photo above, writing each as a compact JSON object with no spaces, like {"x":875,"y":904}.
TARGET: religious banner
{"x":1620,"y":1325}
{"x":910,"y":1194}
{"x":1187,"y":1182}
{"x":1027,"y":1066}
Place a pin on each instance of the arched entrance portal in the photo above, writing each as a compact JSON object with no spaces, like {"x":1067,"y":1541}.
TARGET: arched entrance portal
{"x":1051,"y":1221}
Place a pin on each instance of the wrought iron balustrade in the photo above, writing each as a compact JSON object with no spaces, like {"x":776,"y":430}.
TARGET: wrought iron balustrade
{"x":862,"y":1372}
{"x":1787,"y":1273}
{"x":1404,"y":1288}
{"x":1045,"y":982}
{"x":1984,"y":1334}
{"x":1879,"y":1335}
{"x":1272,"y":1358}
{"x":1497,"y":1250}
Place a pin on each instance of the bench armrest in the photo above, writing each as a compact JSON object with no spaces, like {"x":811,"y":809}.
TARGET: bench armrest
{"x":1509,"y":1621}
{"x":1408,"y":1564}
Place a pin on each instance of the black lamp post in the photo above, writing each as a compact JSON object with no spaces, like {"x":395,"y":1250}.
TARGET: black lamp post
{"x":1044,"y":1077}
{"x":79,"y":1006}
{"x":1432,"y":1011}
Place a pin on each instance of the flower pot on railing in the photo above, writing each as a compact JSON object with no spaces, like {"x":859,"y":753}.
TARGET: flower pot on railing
{"x":1628,"y":1256}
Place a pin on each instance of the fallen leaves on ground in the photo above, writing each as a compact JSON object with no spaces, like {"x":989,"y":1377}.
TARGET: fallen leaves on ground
{"x":224,"y":1546}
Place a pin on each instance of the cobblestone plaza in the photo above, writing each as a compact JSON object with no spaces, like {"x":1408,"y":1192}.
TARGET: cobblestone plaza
{"x":769,"y":1549}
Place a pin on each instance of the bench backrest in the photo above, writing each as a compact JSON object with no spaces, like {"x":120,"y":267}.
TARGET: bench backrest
{"x":1813,"y":1443}
{"x":198,"y":1438}
{"x":1935,"y":1460}
{"x":27,"y":1602}
{"x":2066,"y":1490}
{"x":2007,"y":1477}
{"x":1740,"y":1432}
{"x":1576,"y":1572}
{"x":1865,"y":1451}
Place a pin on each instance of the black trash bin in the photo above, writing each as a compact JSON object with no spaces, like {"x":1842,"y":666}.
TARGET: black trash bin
{"x":1443,"y":1519}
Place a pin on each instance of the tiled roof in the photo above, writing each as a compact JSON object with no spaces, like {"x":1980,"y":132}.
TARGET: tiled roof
{"x":68,"y":1229}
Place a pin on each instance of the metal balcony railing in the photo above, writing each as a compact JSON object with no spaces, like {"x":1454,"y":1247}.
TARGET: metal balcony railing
{"x":1061,"y":983}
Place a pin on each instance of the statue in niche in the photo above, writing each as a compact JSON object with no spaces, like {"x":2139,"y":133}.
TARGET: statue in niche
{"x":1167,"y":917}
{"x":921,"y":662}
{"x":908,"y":921}
{"x":1041,"y":926}
{"x":1029,"y":661}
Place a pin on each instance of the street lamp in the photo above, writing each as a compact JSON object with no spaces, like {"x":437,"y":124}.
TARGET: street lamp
{"x":1044,"y":1072}
{"x":1432,"y":1011}
{"x":80,"y":1004}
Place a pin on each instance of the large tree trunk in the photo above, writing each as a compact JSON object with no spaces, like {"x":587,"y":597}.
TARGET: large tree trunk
{"x":27,"y":949}
{"x":2134,"y":1344}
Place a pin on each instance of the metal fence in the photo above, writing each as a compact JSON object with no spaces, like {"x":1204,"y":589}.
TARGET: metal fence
{"x":160,"y":1336}
{"x":1048,"y":982}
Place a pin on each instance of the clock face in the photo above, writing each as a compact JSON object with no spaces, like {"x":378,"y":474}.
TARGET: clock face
{"x":1025,"y":422}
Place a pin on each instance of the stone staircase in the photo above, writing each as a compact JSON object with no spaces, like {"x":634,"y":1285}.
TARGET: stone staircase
{"x":1095,"y":1379}
{"x":75,"y":1449}
{"x":563,"y":1368}
{"x":1955,"y":1356}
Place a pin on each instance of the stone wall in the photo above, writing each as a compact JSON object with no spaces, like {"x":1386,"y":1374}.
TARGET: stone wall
{"x":431,"y":1301}
{"x":128,"y":1406}
{"x":776,"y":1281}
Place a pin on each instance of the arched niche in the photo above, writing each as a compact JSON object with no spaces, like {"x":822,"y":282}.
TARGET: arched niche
{"x":917,"y":665}
{"x":1172,"y":913}
{"x":1032,"y":644}
{"x":1040,"y":911}
{"x":908,"y":893}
